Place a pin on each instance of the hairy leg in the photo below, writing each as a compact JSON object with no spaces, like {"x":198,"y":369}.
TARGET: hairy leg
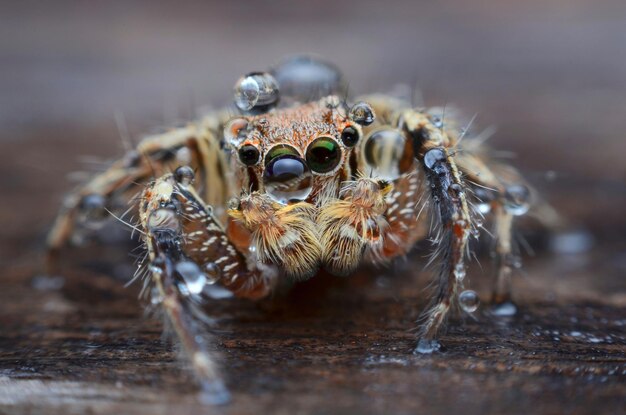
{"x":194,"y":145}
{"x":500,"y":192}
{"x":188,"y":251}
{"x":434,"y":149}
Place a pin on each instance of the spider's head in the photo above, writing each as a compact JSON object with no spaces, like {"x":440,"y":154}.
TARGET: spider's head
{"x":295,"y":154}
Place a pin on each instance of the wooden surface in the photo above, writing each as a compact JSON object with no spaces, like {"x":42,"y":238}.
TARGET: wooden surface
{"x":548,"y":74}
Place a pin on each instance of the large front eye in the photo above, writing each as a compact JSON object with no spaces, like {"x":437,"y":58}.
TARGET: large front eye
{"x":323,"y":155}
{"x":286,"y":177}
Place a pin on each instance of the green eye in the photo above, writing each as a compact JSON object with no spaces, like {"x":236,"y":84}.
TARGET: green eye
{"x":323,"y":155}
{"x":280,"y":150}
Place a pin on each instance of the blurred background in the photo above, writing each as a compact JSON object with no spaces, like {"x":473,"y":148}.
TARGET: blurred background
{"x":550,"y":75}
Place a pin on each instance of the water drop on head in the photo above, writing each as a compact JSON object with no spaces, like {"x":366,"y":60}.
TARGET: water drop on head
{"x":469,"y":301}
{"x":192,"y":276}
{"x":362,"y":113}
{"x":306,"y":78}
{"x":256,"y":92}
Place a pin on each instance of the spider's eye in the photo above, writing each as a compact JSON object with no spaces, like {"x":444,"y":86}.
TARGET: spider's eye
{"x":249,"y":155}
{"x":323,"y":155}
{"x":286,"y":176}
{"x":350,"y":136}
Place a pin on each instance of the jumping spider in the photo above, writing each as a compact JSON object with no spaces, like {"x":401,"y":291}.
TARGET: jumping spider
{"x":301,"y":180}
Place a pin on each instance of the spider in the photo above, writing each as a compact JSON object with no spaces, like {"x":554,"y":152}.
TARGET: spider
{"x":302,"y":179}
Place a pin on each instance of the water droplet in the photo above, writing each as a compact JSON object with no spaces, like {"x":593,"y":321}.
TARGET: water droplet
{"x":306,"y":78}
{"x":213,"y":272}
{"x":256,"y":92}
{"x":93,"y":207}
{"x":155,"y":296}
{"x":386,"y":151}
{"x":513,"y":261}
{"x":184,"y":175}
{"x":484,"y":198}
{"x":572,"y":242}
{"x":217,"y":292}
{"x":505,"y":309}
{"x":157,"y":266}
{"x":287,"y":178}
{"x":164,"y":219}
{"x":459,"y":272}
{"x":469,"y":301}
{"x":517,"y":199}
{"x":362,"y":113}
{"x":427,"y":346}
{"x":433,"y":157}
{"x":193,"y":277}
{"x":214,"y":393}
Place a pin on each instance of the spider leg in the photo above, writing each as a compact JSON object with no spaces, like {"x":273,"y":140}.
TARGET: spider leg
{"x":188,"y":252}
{"x":433,"y":148}
{"x":194,"y":145}
{"x":499,"y":191}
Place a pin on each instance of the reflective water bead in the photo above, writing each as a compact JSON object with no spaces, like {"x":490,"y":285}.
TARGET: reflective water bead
{"x":362,"y":113}
{"x":389,"y":153}
{"x":484,"y":198}
{"x":306,"y":78}
{"x":434,"y":156}
{"x":469,"y":301}
{"x":459,"y":271}
{"x":93,"y":207}
{"x":505,"y":309}
{"x":192,"y":276}
{"x":517,"y":199}
{"x":513,"y":261}
{"x":427,"y":346}
{"x":155,"y":296}
{"x":184,"y":175}
{"x":212,"y":271}
{"x":287,"y":179}
{"x":256,"y":92}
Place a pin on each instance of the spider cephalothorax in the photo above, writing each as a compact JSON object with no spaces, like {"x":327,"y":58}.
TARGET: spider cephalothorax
{"x":303,"y":179}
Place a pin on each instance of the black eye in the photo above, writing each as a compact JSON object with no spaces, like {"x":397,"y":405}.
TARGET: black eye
{"x":323,"y":155}
{"x":350,"y":136}
{"x":249,"y":155}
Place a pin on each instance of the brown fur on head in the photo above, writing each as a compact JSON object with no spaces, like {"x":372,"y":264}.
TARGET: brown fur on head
{"x":297,"y":128}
